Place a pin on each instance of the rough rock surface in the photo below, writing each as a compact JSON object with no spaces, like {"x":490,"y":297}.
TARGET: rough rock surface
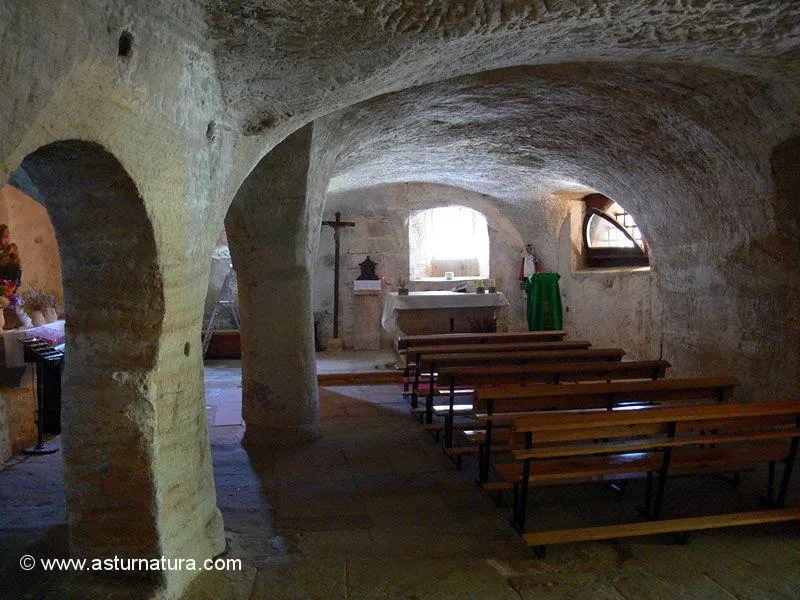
{"x":688,"y":151}
{"x":322,"y":56}
{"x":685,"y":111}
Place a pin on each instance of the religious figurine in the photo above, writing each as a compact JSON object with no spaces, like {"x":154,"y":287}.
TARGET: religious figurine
{"x":368,"y":270}
{"x":402,"y":287}
{"x":530,"y":264}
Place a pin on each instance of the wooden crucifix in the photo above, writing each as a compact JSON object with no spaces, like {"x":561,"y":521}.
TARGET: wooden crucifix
{"x":337,"y":225}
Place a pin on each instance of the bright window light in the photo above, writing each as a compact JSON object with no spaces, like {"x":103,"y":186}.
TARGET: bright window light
{"x":448,"y":239}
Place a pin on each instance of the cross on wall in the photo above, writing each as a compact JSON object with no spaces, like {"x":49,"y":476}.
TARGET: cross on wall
{"x":337,"y":226}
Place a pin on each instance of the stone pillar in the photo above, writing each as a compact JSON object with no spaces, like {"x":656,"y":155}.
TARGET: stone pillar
{"x":5,"y":434}
{"x":137,"y":459}
{"x":367,"y":310}
{"x":270,"y":227}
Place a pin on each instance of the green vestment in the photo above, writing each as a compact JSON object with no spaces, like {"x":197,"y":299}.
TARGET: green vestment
{"x":544,"y":302}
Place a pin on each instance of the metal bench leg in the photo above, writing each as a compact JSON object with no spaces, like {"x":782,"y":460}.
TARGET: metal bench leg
{"x":448,"y":421}
{"x":787,"y":472}
{"x":429,"y":399}
{"x":682,"y":537}
{"x":769,"y":498}
{"x":515,"y":505}
{"x":662,"y":477}
{"x":448,"y":430}
{"x":415,"y":387}
{"x":523,"y":487}
{"x":484,"y":455}
{"x":648,"y":497}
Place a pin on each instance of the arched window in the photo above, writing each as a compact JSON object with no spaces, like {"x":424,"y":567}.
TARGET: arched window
{"x":448,"y":239}
{"x":611,"y":238}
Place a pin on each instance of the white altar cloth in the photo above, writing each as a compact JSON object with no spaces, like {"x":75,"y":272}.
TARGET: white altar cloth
{"x":435,"y":300}
{"x":53,"y":333}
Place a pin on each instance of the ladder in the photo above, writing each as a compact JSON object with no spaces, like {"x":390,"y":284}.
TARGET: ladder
{"x":225,"y":299}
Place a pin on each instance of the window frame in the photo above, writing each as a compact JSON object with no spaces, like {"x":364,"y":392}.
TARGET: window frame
{"x":636,"y":256}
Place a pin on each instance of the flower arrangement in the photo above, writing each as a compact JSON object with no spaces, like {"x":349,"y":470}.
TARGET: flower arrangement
{"x":10,"y":269}
{"x":36,"y":299}
{"x":7,"y":289}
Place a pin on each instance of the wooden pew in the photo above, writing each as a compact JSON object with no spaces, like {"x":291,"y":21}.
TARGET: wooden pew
{"x":467,"y":378}
{"x":509,"y":337}
{"x":666,"y":440}
{"x":504,"y":347}
{"x":431,"y":362}
{"x":499,"y":403}
{"x":416,"y":352}
{"x":368,"y":378}
{"x":438,"y":339}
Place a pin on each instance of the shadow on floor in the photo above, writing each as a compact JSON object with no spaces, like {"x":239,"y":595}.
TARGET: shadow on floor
{"x":375,"y":510}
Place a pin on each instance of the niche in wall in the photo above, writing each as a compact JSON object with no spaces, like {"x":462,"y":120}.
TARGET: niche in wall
{"x":31,"y":229}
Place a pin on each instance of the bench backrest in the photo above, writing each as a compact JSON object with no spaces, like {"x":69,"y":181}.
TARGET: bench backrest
{"x":552,"y":372}
{"x":440,"y":339}
{"x":521,"y":357}
{"x":521,"y":397}
{"x":504,"y":347}
{"x":703,"y":435}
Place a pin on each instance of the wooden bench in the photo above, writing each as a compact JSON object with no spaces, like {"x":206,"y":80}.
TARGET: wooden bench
{"x":659,"y":441}
{"x":463,"y":380}
{"x":414,"y":354}
{"x":499,"y":403}
{"x":433,"y":361}
{"x":367,"y":378}
{"x":438,"y":339}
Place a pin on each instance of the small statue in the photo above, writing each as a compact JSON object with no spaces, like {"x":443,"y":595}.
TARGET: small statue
{"x":402,"y":287}
{"x":530,"y":264}
{"x":368,"y":270}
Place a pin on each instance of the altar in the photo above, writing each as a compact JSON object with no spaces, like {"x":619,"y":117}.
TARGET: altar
{"x":439,"y":312}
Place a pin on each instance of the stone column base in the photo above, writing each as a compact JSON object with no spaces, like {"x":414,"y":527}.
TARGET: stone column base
{"x":261,"y":436}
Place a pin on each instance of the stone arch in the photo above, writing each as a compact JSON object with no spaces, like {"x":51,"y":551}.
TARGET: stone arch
{"x":384,"y":210}
{"x":115,"y":305}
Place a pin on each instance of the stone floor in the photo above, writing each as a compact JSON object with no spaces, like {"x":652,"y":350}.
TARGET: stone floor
{"x":375,"y":510}
{"x":224,"y":379}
